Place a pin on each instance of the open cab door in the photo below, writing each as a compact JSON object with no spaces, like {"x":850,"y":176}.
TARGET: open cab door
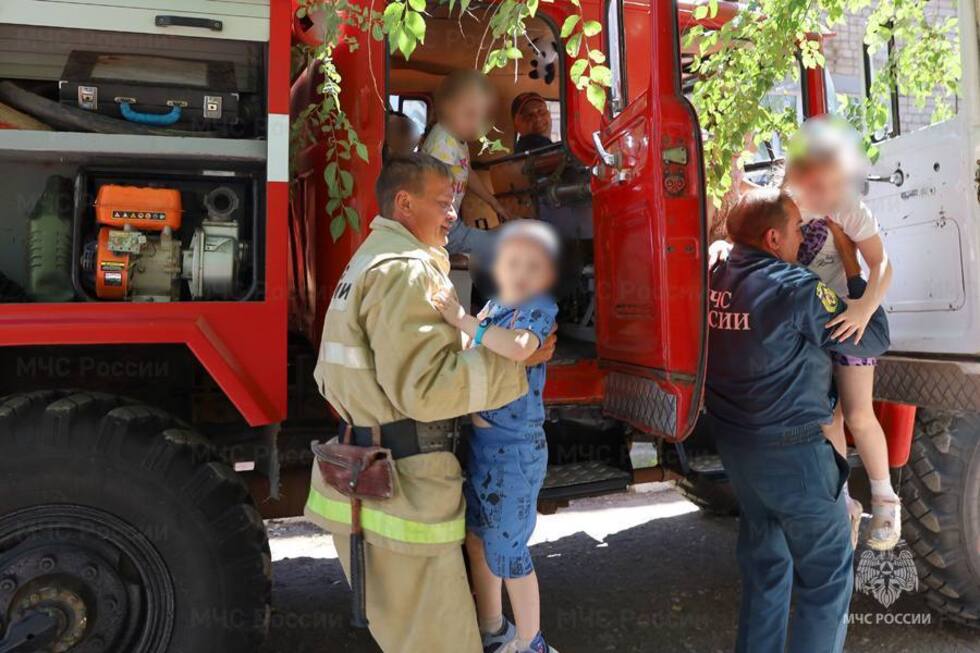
{"x":651,"y":249}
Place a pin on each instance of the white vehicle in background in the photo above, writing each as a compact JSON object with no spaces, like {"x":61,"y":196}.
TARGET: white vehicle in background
{"x":925,"y":191}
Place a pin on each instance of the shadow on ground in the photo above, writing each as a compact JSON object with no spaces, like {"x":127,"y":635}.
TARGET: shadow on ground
{"x":668,"y":585}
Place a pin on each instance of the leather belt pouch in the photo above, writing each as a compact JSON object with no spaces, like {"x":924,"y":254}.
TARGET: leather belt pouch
{"x":355,"y":471}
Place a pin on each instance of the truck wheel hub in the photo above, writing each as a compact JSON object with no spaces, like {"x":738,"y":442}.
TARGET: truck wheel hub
{"x":90,"y":574}
{"x":64,"y":606}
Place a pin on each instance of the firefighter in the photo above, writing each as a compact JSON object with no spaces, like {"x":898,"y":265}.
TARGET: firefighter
{"x":772,"y":324}
{"x":387,"y":358}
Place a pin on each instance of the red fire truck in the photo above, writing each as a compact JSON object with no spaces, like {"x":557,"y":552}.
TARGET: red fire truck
{"x":165,"y":275}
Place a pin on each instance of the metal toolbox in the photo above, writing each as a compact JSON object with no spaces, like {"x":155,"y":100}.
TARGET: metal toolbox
{"x":154,"y":90}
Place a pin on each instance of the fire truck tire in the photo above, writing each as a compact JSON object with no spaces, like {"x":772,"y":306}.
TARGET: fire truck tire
{"x":941,"y":517}
{"x":127,"y":525}
{"x":714,"y":496}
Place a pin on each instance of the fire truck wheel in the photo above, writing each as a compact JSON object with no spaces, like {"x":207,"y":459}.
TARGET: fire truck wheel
{"x":122,"y":530}
{"x":941,"y":520}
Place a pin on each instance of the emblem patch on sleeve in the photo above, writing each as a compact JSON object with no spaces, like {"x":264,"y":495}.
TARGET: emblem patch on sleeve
{"x":828,"y":297}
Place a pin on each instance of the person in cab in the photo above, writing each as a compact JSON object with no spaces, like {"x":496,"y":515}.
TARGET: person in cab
{"x":532,"y":122}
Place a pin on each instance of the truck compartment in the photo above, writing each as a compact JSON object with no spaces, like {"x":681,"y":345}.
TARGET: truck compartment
{"x":150,"y":114}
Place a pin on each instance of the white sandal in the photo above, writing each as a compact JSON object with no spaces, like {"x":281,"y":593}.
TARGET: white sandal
{"x":886,"y":529}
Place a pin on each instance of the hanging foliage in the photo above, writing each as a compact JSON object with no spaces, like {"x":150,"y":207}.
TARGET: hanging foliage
{"x":738,"y":64}
{"x":736,"y":67}
{"x":403,"y":24}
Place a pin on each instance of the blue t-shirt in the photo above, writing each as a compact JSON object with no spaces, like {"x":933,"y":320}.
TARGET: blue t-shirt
{"x":536,"y":315}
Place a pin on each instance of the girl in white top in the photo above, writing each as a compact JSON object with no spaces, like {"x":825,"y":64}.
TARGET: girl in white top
{"x":822,"y":173}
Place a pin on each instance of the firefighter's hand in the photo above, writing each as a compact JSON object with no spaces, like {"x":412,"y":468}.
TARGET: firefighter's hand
{"x":853,"y":321}
{"x":449,"y":307}
{"x":545,"y":351}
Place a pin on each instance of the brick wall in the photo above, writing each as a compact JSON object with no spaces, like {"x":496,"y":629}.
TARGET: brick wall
{"x":844,"y":55}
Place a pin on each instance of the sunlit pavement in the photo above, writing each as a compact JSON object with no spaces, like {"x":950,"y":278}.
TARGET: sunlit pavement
{"x":641,"y":572}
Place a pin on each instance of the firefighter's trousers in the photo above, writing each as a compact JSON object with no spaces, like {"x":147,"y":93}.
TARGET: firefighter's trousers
{"x":418,"y":596}
{"x":417,"y":603}
{"x":794,"y":539}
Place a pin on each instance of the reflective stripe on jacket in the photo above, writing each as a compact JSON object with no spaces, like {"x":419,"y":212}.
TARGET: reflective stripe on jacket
{"x":386,"y":355}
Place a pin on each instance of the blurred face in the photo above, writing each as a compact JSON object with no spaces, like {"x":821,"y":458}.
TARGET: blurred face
{"x":533,"y":118}
{"x":466,"y":115}
{"x":785,"y":243}
{"x":401,"y":136}
{"x":821,"y":189}
{"x":430,"y":214}
{"x":522,"y":270}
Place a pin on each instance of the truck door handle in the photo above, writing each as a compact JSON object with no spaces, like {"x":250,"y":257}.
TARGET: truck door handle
{"x":187,"y":21}
{"x":897,"y":178}
{"x":608,"y":158}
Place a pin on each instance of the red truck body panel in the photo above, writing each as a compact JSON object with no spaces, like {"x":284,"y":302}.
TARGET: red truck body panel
{"x":241,"y":344}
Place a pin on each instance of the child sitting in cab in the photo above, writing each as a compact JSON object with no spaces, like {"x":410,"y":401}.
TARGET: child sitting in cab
{"x":508,"y":455}
{"x":463,"y":103}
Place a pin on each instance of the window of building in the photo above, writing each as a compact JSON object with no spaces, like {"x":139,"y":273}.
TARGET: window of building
{"x":416,"y":108}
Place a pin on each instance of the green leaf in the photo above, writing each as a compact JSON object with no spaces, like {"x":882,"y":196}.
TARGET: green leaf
{"x":700,"y":12}
{"x":416,"y":25}
{"x":592,"y":27}
{"x":417,"y":5}
{"x":569,"y":25}
{"x":532,"y":7}
{"x":597,"y":96}
{"x":513,"y":53}
{"x":406,"y":43}
{"x":394,"y":11}
{"x":597,"y":56}
{"x":337,"y":225}
{"x":353,"y":218}
{"x":577,"y":69}
{"x":361,"y":150}
{"x":601,"y":75}
{"x":573,"y":45}
{"x":346,"y":182}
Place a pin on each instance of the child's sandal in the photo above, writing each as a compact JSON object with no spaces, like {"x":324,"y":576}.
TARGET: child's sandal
{"x":886,"y":523}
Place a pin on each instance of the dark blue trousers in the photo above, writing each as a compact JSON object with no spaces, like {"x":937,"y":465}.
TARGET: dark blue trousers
{"x":794,"y":540}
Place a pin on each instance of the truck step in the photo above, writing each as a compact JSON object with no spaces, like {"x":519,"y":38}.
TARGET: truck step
{"x":583,"y":479}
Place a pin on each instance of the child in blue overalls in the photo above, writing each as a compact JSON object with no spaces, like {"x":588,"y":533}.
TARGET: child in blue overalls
{"x":508,"y":453}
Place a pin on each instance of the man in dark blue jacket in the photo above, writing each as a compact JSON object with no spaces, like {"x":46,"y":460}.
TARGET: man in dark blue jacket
{"x":769,"y":391}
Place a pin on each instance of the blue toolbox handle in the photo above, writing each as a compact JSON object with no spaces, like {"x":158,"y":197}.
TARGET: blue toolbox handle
{"x":132,"y":115}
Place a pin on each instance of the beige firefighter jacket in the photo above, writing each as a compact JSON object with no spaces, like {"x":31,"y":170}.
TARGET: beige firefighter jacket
{"x":385,"y":355}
